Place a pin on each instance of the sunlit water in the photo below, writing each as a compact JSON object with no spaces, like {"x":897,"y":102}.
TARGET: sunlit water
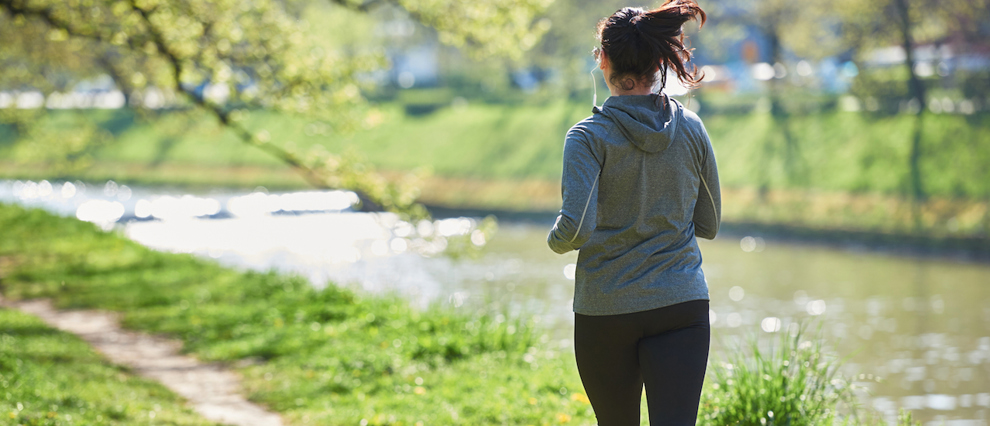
{"x":916,"y":330}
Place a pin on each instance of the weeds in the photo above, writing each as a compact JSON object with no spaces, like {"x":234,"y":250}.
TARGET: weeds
{"x":794,"y":382}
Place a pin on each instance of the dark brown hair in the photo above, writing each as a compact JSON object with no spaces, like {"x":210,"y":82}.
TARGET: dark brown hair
{"x":639,"y":43}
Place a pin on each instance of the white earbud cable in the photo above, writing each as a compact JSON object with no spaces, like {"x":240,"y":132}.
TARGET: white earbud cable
{"x":586,"y":204}
{"x":712,"y":199}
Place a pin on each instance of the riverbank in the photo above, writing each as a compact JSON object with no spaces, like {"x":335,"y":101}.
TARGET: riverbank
{"x":321,"y":356}
{"x":940,"y":226}
{"x":831,"y":170}
{"x":325,"y":356}
{"x":885,"y":223}
{"x":832,"y":151}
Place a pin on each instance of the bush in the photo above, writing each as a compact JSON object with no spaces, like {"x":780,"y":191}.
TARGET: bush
{"x":794,"y":382}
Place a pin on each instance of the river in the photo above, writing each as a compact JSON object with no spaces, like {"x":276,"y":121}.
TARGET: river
{"x":915,"y":330}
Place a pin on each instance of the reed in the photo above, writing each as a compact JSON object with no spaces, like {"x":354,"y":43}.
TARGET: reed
{"x":789,"y":379}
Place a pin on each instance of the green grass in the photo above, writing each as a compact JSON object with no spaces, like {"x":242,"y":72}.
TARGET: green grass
{"x":788,"y":379}
{"x":831,"y":151}
{"x":317,"y":356}
{"x":820,"y":169}
{"x":827,"y":151}
{"x":792,"y":381}
{"x":330,"y":356}
{"x":48,"y":377}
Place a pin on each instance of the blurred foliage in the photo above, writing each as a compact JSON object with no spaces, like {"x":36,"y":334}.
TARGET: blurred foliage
{"x":487,"y":28}
{"x":322,"y":99}
{"x":905,"y":418}
{"x":461,"y":141}
{"x":781,"y":33}
{"x":852,"y":30}
{"x":976,"y":85}
{"x":853,"y":163}
{"x":229,"y":57}
{"x":864,"y":25}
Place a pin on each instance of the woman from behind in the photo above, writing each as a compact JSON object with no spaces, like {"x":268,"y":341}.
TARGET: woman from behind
{"x":639,"y":184}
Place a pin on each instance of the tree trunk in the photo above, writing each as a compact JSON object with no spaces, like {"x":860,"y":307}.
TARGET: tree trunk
{"x":781,"y":117}
{"x":917,"y":91}
{"x":776,"y":109}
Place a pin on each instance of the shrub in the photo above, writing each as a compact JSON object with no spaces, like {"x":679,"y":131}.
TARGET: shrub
{"x":793,"y":382}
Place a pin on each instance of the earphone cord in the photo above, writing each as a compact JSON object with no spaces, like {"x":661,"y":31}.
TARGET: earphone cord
{"x":594,"y":84}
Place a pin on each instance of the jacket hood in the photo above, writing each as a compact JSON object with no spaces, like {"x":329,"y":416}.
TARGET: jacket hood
{"x":643,"y":120}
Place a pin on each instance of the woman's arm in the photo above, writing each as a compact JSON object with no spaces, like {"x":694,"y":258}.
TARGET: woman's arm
{"x":708,"y":209}
{"x":579,"y":189}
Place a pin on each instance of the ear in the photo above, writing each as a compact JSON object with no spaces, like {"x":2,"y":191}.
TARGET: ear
{"x":603,"y":63}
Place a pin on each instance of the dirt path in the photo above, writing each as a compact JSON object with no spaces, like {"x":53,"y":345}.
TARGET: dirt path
{"x":211,"y":389}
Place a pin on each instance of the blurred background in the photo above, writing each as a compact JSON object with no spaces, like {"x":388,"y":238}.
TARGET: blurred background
{"x":852,"y":138}
{"x":819,"y":115}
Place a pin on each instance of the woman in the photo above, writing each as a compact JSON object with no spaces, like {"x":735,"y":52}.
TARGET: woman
{"x":639,"y":183}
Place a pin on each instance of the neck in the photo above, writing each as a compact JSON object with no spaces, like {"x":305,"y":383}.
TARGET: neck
{"x":635,"y":91}
{"x":639,"y":89}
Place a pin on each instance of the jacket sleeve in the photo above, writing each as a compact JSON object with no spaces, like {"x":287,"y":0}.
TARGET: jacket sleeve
{"x":579,"y":189}
{"x":708,"y":209}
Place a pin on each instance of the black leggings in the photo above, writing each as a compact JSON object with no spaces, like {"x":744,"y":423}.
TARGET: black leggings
{"x":666,"y":349}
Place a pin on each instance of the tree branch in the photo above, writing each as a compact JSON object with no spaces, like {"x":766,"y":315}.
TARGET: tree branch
{"x":364,"y":6}
{"x":312,"y":176}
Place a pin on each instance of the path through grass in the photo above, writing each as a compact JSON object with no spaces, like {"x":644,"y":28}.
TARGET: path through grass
{"x":316,"y":356}
{"x":48,"y":377}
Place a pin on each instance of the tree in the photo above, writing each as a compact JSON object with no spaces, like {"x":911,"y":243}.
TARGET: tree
{"x":782,"y":23}
{"x":259,"y":52}
{"x":907,"y":23}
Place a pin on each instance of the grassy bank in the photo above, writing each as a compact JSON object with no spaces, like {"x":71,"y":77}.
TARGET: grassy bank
{"x":826,"y":151}
{"x":330,"y":356}
{"x":316,"y":356}
{"x":52,"y":378}
{"x":831,"y":170}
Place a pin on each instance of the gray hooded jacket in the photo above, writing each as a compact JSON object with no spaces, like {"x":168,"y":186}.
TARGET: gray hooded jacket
{"x":639,"y":183}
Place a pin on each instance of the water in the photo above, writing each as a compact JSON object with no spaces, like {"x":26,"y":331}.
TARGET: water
{"x":916,"y":331}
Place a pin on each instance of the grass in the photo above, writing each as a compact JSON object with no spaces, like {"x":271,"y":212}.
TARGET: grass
{"x":845,"y":170}
{"x":788,"y":379}
{"x":317,"y":356}
{"x":828,"y":151}
{"x":331,"y":356}
{"x":48,"y":377}
{"x":791,"y":382}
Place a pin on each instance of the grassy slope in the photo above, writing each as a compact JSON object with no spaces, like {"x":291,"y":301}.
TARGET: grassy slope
{"x":328,"y":357}
{"x":834,"y":151}
{"x":52,"y":378}
{"x":846,"y":169}
{"x":324,"y":357}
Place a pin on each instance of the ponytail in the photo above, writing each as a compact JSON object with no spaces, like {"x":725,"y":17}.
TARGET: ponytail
{"x":640,"y":43}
